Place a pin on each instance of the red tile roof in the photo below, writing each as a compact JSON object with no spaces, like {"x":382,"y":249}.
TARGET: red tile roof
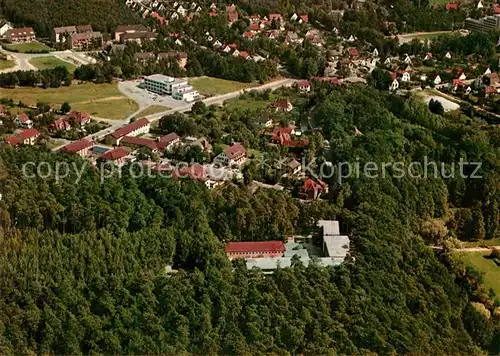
{"x":304,"y":17}
{"x":28,"y":133}
{"x":353,"y":52}
{"x":276,"y":17}
{"x":235,"y":150}
{"x":81,"y":117}
{"x":303,"y":84}
{"x":195,"y":171}
{"x":310,"y":184}
{"x":244,"y":54}
{"x":452,"y":6}
{"x":169,"y":138}
{"x":124,"y":131}
{"x":248,"y":34}
{"x":115,"y":154}
{"x":77,"y":146}
{"x":282,"y":104}
{"x":490,"y":90}
{"x":12,"y":140}
{"x":23,"y":118}
{"x":139,"y":141}
{"x":255,"y":247}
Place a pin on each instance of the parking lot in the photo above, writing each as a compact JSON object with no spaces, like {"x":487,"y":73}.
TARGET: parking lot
{"x":144,"y":98}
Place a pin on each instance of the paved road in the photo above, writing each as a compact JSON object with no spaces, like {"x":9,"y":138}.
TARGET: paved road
{"x":219,"y":99}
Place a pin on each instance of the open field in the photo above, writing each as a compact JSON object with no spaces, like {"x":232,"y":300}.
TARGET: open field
{"x":117,"y":109}
{"x":216,"y":86}
{"x":6,"y":64}
{"x":50,"y":62}
{"x":153,"y":109}
{"x":488,"y":267}
{"x":490,"y":242}
{"x":28,"y":47}
{"x":57,"y":96}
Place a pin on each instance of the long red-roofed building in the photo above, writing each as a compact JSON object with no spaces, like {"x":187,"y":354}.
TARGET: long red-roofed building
{"x":80,"y":147}
{"x":138,"y":127}
{"x":254,"y":249}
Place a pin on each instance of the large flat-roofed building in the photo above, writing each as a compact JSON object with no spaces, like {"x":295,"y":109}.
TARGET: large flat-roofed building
{"x":177,"y":87}
{"x":486,"y":24}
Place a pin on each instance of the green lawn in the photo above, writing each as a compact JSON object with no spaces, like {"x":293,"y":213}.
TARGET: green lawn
{"x":6,"y":64}
{"x":49,"y":62}
{"x":57,"y":96}
{"x":153,"y":109}
{"x":428,"y":36}
{"x":28,"y":47}
{"x":488,"y":267}
{"x":215,"y":86}
{"x":113,"y":109}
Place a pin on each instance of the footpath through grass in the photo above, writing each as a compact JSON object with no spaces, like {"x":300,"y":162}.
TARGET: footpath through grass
{"x":481,"y":263}
{"x":150,"y":110}
{"x":214,"y":86}
{"x":49,"y":62}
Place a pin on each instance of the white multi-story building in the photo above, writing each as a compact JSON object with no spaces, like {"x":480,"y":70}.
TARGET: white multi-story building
{"x":163,"y":85}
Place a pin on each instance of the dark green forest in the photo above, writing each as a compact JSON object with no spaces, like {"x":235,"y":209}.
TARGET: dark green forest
{"x":83,"y":265}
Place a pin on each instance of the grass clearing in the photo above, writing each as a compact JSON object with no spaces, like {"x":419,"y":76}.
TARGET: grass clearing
{"x":6,"y":64}
{"x":115,"y":110}
{"x":28,"y":47}
{"x":490,"y":242}
{"x":57,"y":96}
{"x":49,"y":62}
{"x":215,"y":86}
{"x":487,"y":266}
{"x":153,"y":109}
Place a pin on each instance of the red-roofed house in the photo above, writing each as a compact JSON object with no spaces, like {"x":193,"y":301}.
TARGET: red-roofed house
{"x":304,"y":18}
{"x":496,"y":9}
{"x":116,"y":155}
{"x":24,"y":34}
{"x":489,"y":90}
{"x":28,"y":136}
{"x":254,"y":18}
{"x":283,"y":105}
{"x":304,"y":86}
{"x":3,"y":112}
{"x":234,"y":155}
{"x":284,"y":137}
{"x":276,"y":17}
{"x":79,"y":118}
{"x":232,"y":16}
{"x":244,"y":55}
{"x":452,"y":6}
{"x":60,"y":124}
{"x":254,"y":249}
{"x":23,"y":120}
{"x":163,"y":21}
{"x":80,"y":147}
{"x":212,"y":13}
{"x":248,"y":35}
{"x":428,"y":56}
{"x":168,"y":141}
{"x":254,"y":27}
{"x":138,"y":127}
{"x":312,"y":190}
{"x":195,"y":172}
{"x":494,"y":79}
